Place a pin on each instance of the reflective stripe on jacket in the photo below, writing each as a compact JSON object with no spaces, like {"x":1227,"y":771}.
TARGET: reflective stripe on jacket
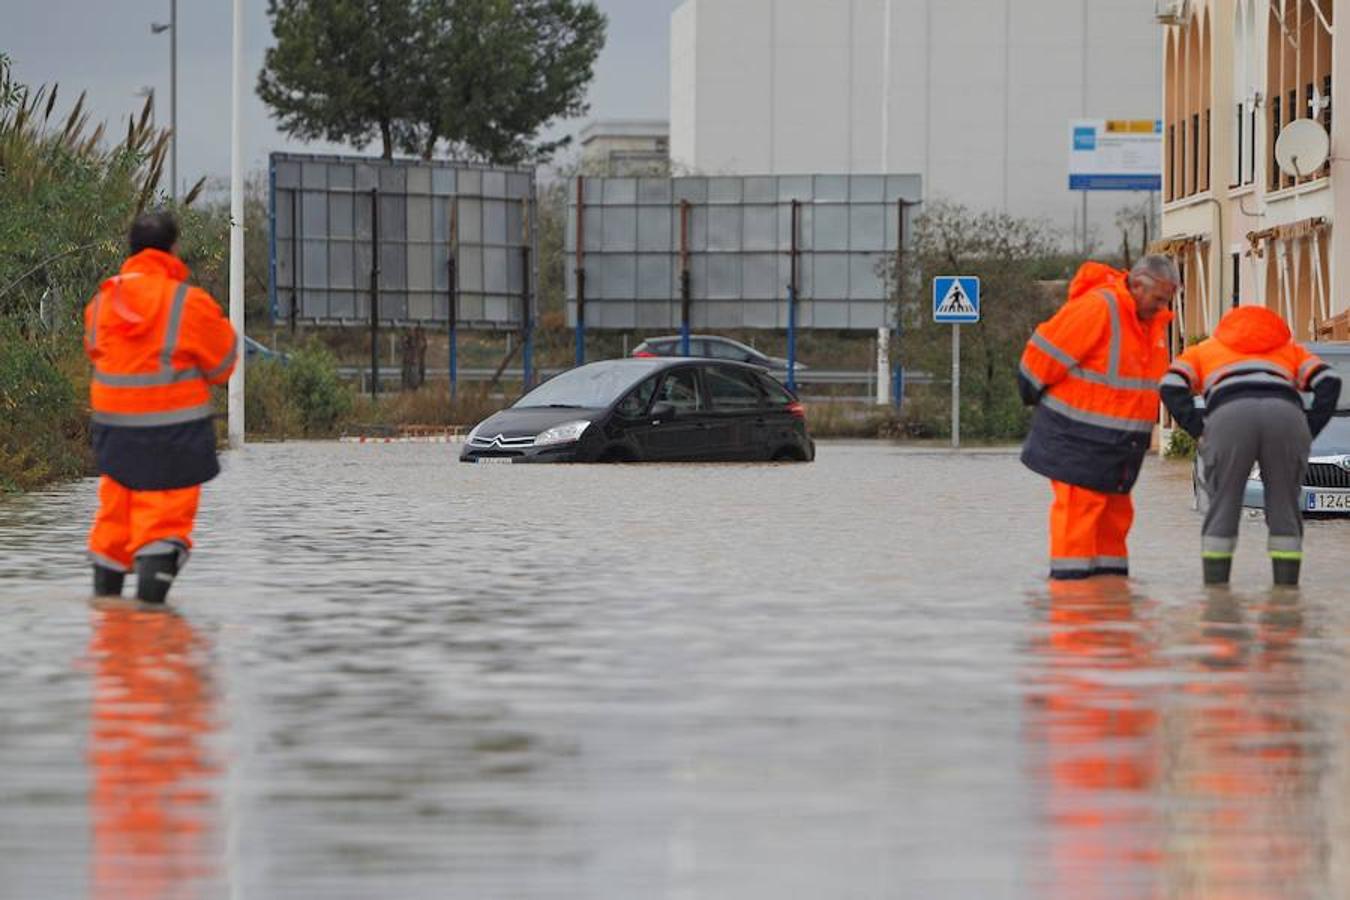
{"x":1251,"y":353}
{"x":1092,"y":371}
{"x":156,"y":345}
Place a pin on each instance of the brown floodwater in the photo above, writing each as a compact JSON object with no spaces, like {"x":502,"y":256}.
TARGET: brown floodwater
{"x":387,"y":674}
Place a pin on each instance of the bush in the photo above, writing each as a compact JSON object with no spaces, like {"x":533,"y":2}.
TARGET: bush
{"x":268,"y":409}
{"x":302,"y":397}
{"x":1180,"y":445}
{"x":43,"y":431}
{"x":430,"y":405}
{"x":321,"y":397}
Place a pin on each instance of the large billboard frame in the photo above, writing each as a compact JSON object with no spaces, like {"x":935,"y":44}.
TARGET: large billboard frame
{"x":735,"y":245}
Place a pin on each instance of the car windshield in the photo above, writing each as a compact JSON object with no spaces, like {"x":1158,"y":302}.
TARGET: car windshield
{"x":589,"y":387}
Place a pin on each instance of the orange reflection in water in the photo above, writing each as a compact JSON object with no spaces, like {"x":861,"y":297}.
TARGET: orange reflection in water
{"x":1178,"y":757}
{"x":151,"y":798}
{"x":1248,"y":763}
{"x":1096,"y":723}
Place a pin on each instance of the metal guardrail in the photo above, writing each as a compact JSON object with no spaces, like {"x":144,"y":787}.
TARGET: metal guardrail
{"x":394,"y":374}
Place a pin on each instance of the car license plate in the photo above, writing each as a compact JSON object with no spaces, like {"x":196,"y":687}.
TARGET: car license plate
{"x":1327,"y":501}
{"x":495,"y":460}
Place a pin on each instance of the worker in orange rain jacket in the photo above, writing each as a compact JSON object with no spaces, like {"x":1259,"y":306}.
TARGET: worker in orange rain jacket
{"x":1251,"y":373}
{"x":157,"y":344}
{"x":1092,"y":373}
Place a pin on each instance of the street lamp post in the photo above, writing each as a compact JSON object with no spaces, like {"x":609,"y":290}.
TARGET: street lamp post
{"x":172,"y":28}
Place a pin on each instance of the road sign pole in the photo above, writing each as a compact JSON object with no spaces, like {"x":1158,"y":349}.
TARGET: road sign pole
{"x":956,"y":387}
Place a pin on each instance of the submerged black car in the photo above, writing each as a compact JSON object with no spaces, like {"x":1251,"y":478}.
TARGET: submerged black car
{"x":634,"y":410}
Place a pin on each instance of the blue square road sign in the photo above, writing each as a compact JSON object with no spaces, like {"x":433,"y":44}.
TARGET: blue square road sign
{"x":956,"y":299}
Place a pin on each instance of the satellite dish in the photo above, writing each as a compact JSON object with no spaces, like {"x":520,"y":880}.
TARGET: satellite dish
{"x":1302,"y":148}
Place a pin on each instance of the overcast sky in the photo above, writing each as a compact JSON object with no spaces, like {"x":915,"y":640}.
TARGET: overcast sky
{"x":106,"y":48}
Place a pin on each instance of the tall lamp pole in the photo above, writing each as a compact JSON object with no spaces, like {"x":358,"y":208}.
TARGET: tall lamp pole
{"x":236,"y":388}
{"x":172,"y":28}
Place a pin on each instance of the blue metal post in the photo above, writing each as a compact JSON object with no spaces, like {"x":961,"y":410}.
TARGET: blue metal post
{"x":899,"y":388}
{"x":792,"y":298}
{"x":686,"y":279}
{"x":527,"y":329}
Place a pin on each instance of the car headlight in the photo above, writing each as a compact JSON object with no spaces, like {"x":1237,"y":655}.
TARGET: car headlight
{"x":474,"y":433}
{"x":566,"y":433}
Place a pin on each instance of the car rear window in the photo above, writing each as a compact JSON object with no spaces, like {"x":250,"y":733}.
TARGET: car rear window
{"x":722,"y":350}
{"x":731,"y":389}
{"x":777,"y":394}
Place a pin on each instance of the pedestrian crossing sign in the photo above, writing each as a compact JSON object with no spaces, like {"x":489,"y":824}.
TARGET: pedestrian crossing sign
{"x":956,"y":299}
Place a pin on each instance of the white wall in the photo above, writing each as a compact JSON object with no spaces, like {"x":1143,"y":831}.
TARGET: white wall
{"x":981,"y":92}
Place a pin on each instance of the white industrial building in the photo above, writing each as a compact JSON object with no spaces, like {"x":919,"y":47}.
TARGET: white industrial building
{"x":976,"y":96}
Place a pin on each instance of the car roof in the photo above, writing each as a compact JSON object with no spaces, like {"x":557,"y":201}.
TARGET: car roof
{"x":661,"y":363}
{"x":699,"y":337}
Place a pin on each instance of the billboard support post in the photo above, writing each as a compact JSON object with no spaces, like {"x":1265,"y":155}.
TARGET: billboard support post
{"x":526,"y":313}
{"x":374,"y":293}
{"x":686,"y":287}
{"x":792,"y":297}
{"x":297,"y":270}
{"x":581,"y":272}
{"x":452,"y":264}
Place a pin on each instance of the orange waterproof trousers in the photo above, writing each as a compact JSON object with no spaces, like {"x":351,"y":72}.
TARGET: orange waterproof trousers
{"x":1088,"y":530}
{"x":130,"y":523}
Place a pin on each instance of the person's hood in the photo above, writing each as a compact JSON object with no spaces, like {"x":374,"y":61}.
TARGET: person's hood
{"x":1094,"y":275}
{"x":1252,"y":329}
{"x":131,"y":300}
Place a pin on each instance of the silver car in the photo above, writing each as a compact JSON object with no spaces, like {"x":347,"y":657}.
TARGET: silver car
{"x":1326,"y":487}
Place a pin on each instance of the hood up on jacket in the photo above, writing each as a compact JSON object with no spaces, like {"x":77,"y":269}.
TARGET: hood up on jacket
{"x":1252,"y":329}
{"x":131,"y":301}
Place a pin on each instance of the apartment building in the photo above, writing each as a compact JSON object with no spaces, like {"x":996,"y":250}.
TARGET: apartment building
{"x":1235,"y":74}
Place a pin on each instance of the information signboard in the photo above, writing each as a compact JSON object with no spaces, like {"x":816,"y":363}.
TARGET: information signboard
{"x":1115,"y":155}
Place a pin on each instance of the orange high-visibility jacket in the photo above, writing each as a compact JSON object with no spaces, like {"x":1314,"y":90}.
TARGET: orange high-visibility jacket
{"x":1092,"y":371}
{"x":1251,"y":353}
{"x":156,"y":344}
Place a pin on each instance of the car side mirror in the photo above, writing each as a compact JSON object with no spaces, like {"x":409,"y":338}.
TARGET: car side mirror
{"x":663,"y":410}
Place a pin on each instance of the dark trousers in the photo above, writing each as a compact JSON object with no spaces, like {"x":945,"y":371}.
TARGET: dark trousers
{"x":1268,"y":430}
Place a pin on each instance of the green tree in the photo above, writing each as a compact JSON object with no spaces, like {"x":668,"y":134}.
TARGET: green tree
{"x":479,"y":78}
{"x":1010,"y":256}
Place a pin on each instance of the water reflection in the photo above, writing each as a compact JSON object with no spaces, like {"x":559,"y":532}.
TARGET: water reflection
{"x":1248,"y":761}
{"x":1177,"y":758}
{"x":1096,"y":721}
{"x":151,"y":797}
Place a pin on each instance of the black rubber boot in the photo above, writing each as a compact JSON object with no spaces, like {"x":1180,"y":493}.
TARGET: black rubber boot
{"x":1286,"y":571}
{"x":1217,"y":569}
{"x":154,"y":576}
{"x":107,"y":582}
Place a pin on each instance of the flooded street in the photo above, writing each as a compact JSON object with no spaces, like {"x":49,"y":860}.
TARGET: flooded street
{"x":391,"y":675}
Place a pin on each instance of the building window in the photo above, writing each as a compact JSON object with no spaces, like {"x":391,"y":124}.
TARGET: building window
{"x":1251,"y":154}
{"x":1298,"y":72}
{"x":1172,"y":162}
{"x":1275,"y":122}
{"x":1209,"y":155}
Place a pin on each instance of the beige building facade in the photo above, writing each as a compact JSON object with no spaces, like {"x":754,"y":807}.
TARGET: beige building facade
{"x":1237,"y":72}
